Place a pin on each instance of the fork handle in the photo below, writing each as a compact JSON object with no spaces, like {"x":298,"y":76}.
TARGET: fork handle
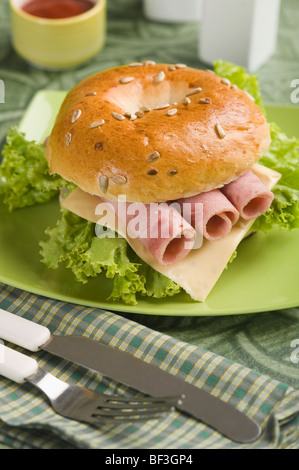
{"x":22,"y":332}
{"x":16,"y":366}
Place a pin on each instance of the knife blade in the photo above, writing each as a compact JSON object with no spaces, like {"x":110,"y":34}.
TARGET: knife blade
{"x":127,"y":369}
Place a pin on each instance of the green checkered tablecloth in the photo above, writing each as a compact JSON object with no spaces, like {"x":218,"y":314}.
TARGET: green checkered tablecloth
{"x":28,"y":421}
{"x":245,"y":359}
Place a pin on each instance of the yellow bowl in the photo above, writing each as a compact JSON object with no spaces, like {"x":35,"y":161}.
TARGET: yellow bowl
{"x":57,"y":44}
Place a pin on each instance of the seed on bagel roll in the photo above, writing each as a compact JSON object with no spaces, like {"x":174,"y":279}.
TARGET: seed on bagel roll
{"x":199,"y":147}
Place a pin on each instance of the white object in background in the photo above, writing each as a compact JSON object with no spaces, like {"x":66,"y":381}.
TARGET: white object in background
{"x":240,"y":31}
{"x":173,"y":11}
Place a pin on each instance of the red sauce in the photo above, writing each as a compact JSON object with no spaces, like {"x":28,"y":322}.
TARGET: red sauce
{"x":55,"y":9}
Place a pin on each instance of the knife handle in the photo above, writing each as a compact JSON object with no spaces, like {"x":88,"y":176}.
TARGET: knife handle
{"x":16,"y":366}
{"x":22,"y":332}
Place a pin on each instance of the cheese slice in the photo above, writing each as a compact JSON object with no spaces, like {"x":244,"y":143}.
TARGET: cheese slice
{"x":199,"y":271}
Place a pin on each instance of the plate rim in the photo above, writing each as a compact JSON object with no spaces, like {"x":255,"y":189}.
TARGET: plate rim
{"x":134,"y":308}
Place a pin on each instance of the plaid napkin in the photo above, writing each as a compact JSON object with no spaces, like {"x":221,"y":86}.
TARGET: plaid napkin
{"x":28,"y":421}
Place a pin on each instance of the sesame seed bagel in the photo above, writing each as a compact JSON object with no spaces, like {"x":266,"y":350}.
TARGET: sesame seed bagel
{"x":155,"y":133}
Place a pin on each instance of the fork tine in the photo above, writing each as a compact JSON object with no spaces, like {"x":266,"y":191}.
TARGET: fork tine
{"x":111,"y":415}
{"x":125,"y":419}
{"x":132,"y":410}
{"x":170,"y":400}
{"x":134,"y":406}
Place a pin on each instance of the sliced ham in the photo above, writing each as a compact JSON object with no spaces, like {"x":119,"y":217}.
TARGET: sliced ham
{"x":212,"y":214}
{"x":168,"y":230}
{"x":249,"y":195}
{"x":159,"y":227}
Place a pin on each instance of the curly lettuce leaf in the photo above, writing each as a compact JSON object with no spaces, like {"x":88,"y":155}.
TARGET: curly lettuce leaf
{"x":282,"y":156}
{"x":157,"y":285}
{"x":72,"y":242}
{"x":238,"y":76}
{"x":24,"y":175}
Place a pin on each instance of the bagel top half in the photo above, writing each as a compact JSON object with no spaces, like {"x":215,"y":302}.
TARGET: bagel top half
{"x":155,"y":133}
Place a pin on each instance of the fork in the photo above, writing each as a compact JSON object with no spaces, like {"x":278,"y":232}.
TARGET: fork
{"x":79,"y":403}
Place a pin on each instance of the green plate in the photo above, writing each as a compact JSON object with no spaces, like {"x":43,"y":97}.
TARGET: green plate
{"x":263,"y":277}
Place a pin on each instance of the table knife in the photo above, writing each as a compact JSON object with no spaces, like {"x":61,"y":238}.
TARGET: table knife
{"x":133,"y":372}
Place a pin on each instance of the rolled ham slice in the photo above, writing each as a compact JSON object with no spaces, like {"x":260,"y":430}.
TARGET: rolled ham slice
{"x":159,"y":227}
{"x":249,"y":195}
{"x":212,"y":214}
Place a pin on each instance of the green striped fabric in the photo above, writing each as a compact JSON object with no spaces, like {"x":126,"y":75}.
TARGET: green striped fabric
{"x":28,"y":421}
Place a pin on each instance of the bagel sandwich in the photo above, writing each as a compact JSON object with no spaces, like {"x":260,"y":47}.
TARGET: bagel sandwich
{"x":133,"y":147}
